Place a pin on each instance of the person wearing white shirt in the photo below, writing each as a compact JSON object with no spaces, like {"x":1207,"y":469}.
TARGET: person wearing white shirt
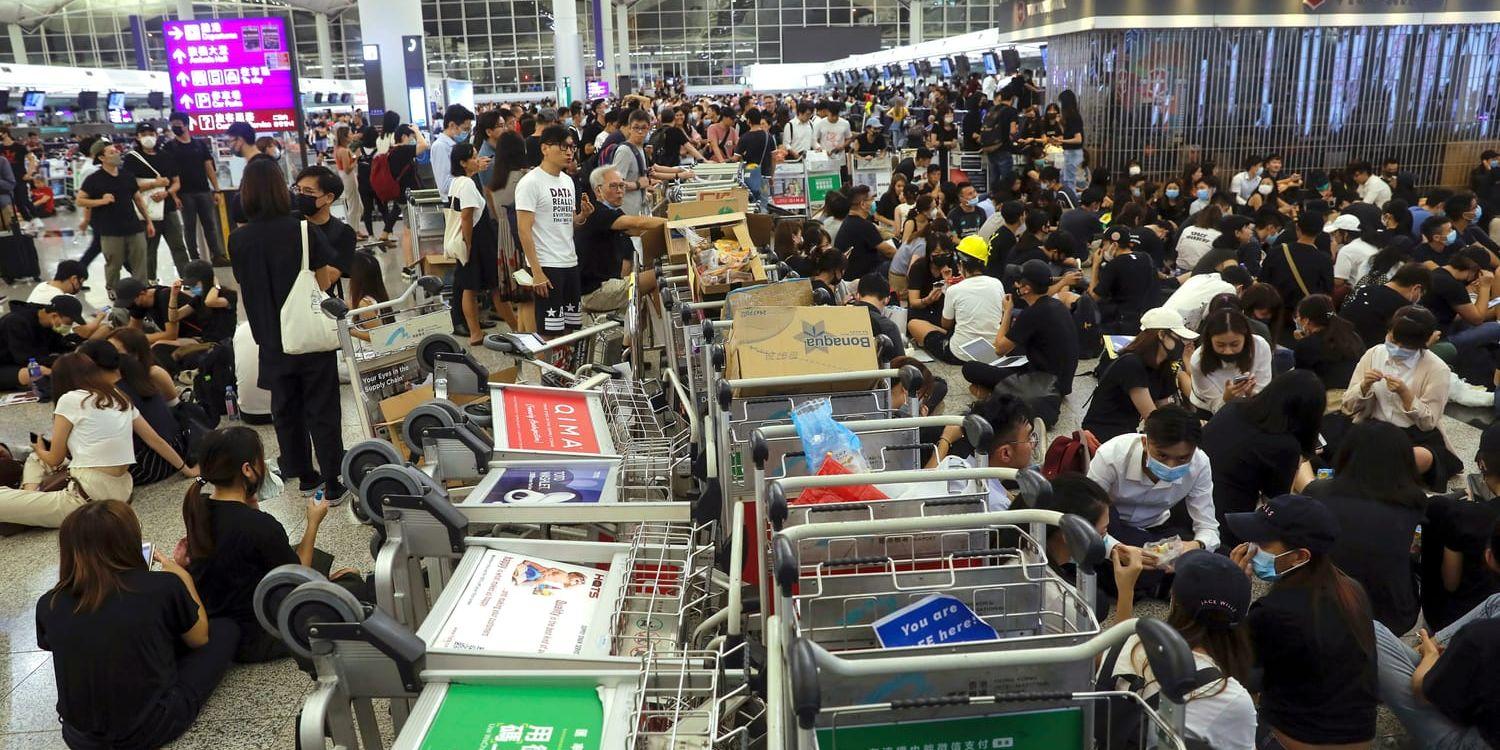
{"x":1016,"y":443}
{"x":1243,"y":185}
{"x":458,"y":121}
{"x":1192,"y":298}
{"x":1154,"y":477}
{"x":546,"y":217}
{"x":831,"y":135}
{"x":797,"y":136}
{"x":1372,"y":189}
{"x":1233,"y":363}
{"x":973,"y":307}
{"x":1197,"y":239}
{"x":1210,"y":599}
{"x":1351,"y":253}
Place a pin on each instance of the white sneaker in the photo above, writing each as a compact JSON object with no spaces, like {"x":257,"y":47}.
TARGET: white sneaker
{"x":38,"y":225}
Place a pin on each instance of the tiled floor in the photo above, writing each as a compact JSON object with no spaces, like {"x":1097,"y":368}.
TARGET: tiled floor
{"x":255,"y":705}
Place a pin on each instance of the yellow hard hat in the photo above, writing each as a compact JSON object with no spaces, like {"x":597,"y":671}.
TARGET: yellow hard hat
{"x":975,"y":247}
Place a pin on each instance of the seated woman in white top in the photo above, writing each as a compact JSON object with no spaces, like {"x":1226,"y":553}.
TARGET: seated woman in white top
{"x":1210,"y":597}
{"x":1230,"y":363}
{"x":91,"y":429}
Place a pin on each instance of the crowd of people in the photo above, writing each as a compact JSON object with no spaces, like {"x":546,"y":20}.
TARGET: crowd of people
{"x":1276,"y":352}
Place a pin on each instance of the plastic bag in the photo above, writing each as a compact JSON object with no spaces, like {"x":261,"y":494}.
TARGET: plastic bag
{"x":847,"y":494}
{"x":822,"y":437}
{"x":1166,"y":550}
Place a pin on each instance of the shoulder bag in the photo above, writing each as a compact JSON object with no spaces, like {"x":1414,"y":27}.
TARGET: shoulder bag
{"x":454,"y":245}
{"x":155,"y":210}
{"x":305,"y":328}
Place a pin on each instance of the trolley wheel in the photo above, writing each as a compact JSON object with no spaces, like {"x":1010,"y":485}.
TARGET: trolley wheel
{"x":386,"y":481}
{"x":434,"y":413}
{"x":434,"y":344}
{"x":310,"y":605}
{"x":718,"y":356}
{"x":377,"y":540}
{"x":479,"y":413}
{"x":364,"y":458}
{"x":274,"y":588}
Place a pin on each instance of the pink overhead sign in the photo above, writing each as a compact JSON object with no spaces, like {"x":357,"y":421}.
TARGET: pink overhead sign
{"x":232,"y":70}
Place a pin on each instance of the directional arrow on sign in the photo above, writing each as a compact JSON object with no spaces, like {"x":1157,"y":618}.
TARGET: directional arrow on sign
{"x":175,"y":32}
{"x":182,"y":78}
{"x":187,"y":101}
{"x":178,"y":55}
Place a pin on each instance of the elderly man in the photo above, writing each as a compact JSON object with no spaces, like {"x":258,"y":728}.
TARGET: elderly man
{"x":605,"y":250}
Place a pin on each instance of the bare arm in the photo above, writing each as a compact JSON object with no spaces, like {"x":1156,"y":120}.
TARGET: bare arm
{"x":144,"y":431}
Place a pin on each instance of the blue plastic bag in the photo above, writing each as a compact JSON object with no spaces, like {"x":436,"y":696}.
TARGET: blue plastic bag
{"x":823,"y":437}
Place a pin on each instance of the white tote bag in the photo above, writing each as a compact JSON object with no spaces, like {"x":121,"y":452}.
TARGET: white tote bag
{"x":305,"y":328}
{"x":155,"y":210}
{"x":453,"y":236}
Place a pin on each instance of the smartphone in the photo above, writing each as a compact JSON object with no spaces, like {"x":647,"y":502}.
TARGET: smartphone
{"x":46,"y":443}
{"x":1240,"y":379}
{"x":146,"y":551}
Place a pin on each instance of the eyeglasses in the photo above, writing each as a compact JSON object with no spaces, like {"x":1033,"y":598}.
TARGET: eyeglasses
{"x":565,"y":146}
{"x":615,"y":185}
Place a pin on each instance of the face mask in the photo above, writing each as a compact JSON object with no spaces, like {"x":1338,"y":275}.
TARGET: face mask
{"x":307,"y":205}
{"x":1255,"y":172}
{"x":196,"y":290}
{"x":148,"y":142}
{"x":1478,"y":212}
{"x":1040,"y":163}
{"x":1264,"y":565}
{"x":1271,"y":239}
{"x":1134,"y":170}
{"x":1202,"y":194}
{"x":1495,"y":164}
{"x":1400,"y":354}
{"x":1172,"y":193}
{"x":62,"y":329}
{"x":1451,"y":237}
{"x":274,"y":153}
{"x":1264,"y":190}
{"x":1167,"y":473}
{"x":1135,"y":192}
{"x":973,"y":201}
{"x":178,"y":130}
{"x":1297,"y":324}
{"x":462,"y":137}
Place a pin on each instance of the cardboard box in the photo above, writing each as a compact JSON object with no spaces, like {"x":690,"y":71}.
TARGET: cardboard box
{"x":716,"y":203}
{"x":728,"y":226}
{"x":789,"y":293}
{"x":777,"y":341}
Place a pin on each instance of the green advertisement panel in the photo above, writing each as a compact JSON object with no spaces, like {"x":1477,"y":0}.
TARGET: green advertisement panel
{"x":517,"y":717}
{"x":820,"y":185}
{"x":1058,"y":729}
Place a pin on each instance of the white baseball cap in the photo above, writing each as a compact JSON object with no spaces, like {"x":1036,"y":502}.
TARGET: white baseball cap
{"x":1167,"y":319}
{"x":1348,"y":222}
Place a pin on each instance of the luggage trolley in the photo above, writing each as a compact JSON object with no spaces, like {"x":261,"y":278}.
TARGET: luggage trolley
{"x":425,"y":223}
{"x":565,"y":360}
{"x":830,"y":673}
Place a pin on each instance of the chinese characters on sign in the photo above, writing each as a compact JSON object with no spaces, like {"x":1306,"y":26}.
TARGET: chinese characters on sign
{"x":232,"y":70}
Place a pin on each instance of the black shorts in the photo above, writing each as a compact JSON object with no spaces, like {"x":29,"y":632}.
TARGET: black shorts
{"x":562,"y":309}
{"x":10,"y":378}
{"x":936,"y":344}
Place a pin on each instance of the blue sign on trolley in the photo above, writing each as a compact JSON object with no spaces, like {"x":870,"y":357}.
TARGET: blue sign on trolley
{"x":937,"y":620}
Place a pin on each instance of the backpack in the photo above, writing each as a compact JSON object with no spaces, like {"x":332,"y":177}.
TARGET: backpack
{"x":193,"y":424}
{"x":1066,"y":453}
{"x":386,"y":186}
{"x":215,"y":373}
{"x":1121,"y":723}
{"x":1086,"y":319}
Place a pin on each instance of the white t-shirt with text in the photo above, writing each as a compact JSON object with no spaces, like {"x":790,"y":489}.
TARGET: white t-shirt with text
{"x":551,"y":200}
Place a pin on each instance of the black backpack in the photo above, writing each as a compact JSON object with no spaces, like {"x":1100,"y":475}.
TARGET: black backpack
{"x":1120,"y":725}
{"x":215,"y":373}
{"x":1086,"y":317}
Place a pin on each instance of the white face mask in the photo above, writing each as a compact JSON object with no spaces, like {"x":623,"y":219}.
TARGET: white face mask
{"x":1264,"y":190}
{"x":1134,"y":170}
{"x":148,"y":142}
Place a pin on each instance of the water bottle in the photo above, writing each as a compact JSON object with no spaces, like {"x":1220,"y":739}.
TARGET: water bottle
{"x":231,"y":404}
{"x":440,"y":386}
{"x":34,"y":369}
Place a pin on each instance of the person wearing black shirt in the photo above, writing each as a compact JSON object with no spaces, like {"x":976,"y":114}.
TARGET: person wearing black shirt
{"x":859,"y":237}
{"x":401,"y":158}
{"x":156,"y":174}
{"x":232,"y":544}
{"x":1314,"y":632}
{"x":871,"y":294}
{"x":1370,"y":307}
{"x":207,"y":312}
{"x":1308,"y":270}
{"x":199,"y":188}
{"x":315,"y":191}
{"x":674,"y":141}
{"x":967,"y":217}
{"x":872,"y":140}
{"x":134,"y":653}
{"x":997,"y":136}
{"x":149,"y":307}
{"x":592,"y":130}
{"x":1445,"y":691}
{"x":31,"y":331}
{"x":1043,"y":330}
{"x":756,"y":149}
{"x":925,"y":282}
{"x":916,"y":164}
{"x":1082,"y":223}
{"x":113,"y":200}
{"x":304,"y":387}
{"x":1125,"y":287}
{"x":1145,"y":374}
{"x":604,"y":247}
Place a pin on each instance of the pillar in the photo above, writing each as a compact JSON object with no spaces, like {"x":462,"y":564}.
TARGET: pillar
{"x":604,"y":33}
{"x":915,"y":15}
{"x":17,"y":43}
{"x":383,"y":23}
{"x":325,"y":47}
{"x":567,"y":65}
{"x":185,"y":10}
{"x":622,"y":45}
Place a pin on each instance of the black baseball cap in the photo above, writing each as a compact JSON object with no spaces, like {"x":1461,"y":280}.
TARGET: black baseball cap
{"x":127,"y":289}
{"x":1211,"y":588}
{"x":1037,"y":274}
{"x":67,"y":306}
{"x":1297,"y":521}
{"x":1489,"y":442}
{"x":1121,"y":235}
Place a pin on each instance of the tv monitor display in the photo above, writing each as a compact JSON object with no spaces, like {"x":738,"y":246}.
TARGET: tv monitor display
{"x":116,"y":100}
{"x":88,"y":99}
{"x":4,"y":99}
{"x":961,"y":64}
{"x":1012,"y":60}
{"x":154,"y":99}
{"x":947,"y":67}
{"x":911,"y":70}
{"x":33,"y":100}
{"x":991,"y":63}
{"x":925,"y":68}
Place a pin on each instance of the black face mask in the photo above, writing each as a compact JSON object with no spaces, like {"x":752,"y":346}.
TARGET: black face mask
{"x":178,"y":130}
{"x":307,"y":205}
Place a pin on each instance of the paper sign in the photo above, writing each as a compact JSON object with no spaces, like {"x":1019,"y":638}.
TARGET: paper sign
{"x":549,"y":420}
{"x":392,"y":336}
{"x":232,"y":70}
{"x":1028,"y":730}
{"x":937,"y":620}
{"x":519,"y":604}
{"x":549,"y":485}
{"x":515,"y":717}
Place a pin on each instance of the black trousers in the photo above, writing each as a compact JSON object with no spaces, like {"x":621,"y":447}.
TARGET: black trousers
{"x":388,"y":212}
{"x":198,"y":673}
{"x":305,"y":404}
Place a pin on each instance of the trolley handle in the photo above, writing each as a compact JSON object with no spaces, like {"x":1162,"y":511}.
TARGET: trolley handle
{"x":976,"y":428}
{"x":502,"y":342}
{"x":432,"y":286}
{"x":727,"y":387}
{"x":807,"y":699}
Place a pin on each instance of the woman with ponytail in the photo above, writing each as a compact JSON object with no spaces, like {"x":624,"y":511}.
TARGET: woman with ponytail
{"x":231,"y":543}
{"x":134,"y":652}
{"x":127,"y":374}
{"x":1326,"y":343}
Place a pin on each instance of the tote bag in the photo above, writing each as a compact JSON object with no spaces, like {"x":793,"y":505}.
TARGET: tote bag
{"x":155,"y":210}
{"x":453,"y":234}
{"x":305,"y":329}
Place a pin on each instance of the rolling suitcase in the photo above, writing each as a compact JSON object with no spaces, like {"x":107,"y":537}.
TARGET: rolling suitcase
{"x":18,"y":256}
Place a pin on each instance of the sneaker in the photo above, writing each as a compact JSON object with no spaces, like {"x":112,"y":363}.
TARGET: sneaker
{"x":308,"y":486}
{"x":337,"y":496}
